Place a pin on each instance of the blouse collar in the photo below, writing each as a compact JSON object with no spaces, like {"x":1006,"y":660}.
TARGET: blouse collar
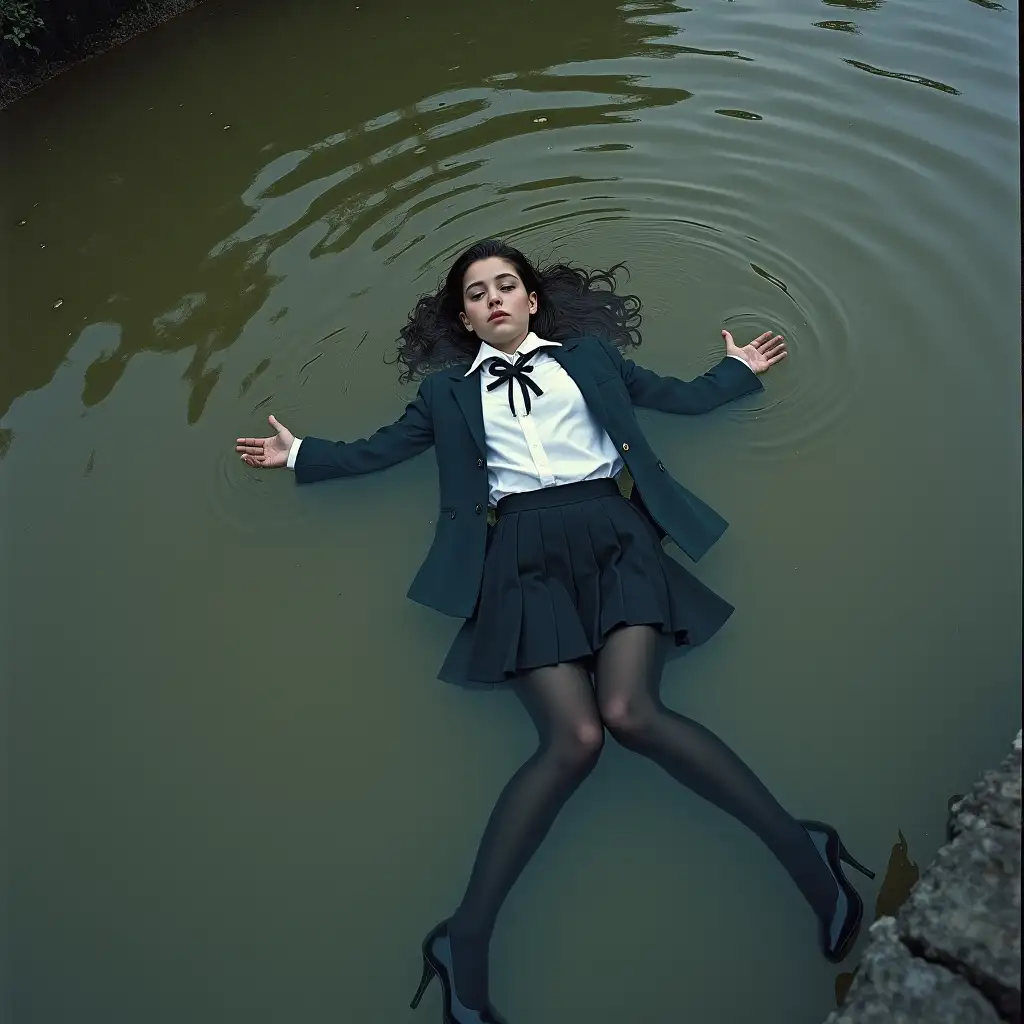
{"x":531,"y":343}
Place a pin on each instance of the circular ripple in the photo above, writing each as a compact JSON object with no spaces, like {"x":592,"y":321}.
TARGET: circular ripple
{"x":564,"y":166}
{"x":252,"y":501}
{"x":697,"y":277}
{"x":694,"y":279}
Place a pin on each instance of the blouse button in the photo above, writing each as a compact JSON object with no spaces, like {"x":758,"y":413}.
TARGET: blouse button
{"x":478,"y":509}
{"x":661,"y":466}
{"x":479,"y":463}
{"x":625,"y":447}
{"x":453,"y":514}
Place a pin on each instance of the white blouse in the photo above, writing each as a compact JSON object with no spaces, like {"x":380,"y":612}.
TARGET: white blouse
{"x":559,"y":442}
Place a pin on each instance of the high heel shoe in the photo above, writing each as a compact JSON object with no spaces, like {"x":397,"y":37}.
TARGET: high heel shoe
{"x":838,"y":934}
{"x":437,"y":961}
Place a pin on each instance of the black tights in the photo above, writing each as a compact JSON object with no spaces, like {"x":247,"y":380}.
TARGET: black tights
{"x":571,"y":714}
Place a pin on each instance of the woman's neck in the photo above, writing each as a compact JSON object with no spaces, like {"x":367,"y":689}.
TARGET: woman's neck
{"x":509,"y":347}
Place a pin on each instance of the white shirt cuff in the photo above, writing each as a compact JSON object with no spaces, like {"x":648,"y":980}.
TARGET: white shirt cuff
{"x":732,"y":355}
{"x":293,"y":452}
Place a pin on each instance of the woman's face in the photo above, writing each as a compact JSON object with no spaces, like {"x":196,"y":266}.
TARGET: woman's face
{"x":496,"y":305}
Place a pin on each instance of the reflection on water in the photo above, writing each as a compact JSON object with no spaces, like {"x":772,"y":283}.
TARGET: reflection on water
{"x":239,"y":792}
{"x":901,"y":876}
{"x":347,"y":182}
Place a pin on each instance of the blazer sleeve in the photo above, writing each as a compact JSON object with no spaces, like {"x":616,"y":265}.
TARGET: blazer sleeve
{"x":729,"y":380}
{"x":411,"y":434}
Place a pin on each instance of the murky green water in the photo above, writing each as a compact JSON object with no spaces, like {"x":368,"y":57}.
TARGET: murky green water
{"x":237,"y":791}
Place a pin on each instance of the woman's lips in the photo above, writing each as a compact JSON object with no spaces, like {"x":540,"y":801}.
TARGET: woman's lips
{"x":497,"y":316}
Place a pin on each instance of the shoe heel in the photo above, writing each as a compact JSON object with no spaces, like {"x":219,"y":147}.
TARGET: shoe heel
{"x":844,"y":855}
{"x":428,"y":977}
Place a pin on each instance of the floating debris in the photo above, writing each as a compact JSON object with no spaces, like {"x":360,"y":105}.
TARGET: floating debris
{"x":539,"y":120}
{"x":58,"y":303}
{"x":916,"y":79}
{"x":308,"y":361}
{"x":743,"y":115}
{"x":331,"y":335}
{"x":761,"y":272}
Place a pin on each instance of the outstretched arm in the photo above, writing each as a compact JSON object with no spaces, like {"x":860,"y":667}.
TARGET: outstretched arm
{"x":723,"y":383}
{"x":314,"y":458}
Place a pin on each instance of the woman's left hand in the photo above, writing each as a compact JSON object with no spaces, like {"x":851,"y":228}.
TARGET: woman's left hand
{"x":761,"y":354}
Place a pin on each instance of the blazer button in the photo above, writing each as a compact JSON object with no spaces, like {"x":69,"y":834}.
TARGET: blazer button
{"x":453,"y":514}
{"x":479,"y":463}
{"x":478,"y":509}
{"x":625,"y":447}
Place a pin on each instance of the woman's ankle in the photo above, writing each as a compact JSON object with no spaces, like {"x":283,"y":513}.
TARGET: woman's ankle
{"x":469,"y":927}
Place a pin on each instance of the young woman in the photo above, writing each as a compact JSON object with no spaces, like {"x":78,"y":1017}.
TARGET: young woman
{"x":569,"y":597}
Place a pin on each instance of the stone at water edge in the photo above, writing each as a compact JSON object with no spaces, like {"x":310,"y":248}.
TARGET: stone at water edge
{"x":894,"y":987}
{"x":965,"y":913}
{"x":952,"y":954}
{"x":995,"y":797}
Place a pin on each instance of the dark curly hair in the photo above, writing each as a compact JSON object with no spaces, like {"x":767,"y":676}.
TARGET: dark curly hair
{"x":571,"y":302}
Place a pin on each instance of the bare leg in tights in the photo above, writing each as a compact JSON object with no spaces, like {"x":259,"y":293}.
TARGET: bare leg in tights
{"x":560,"y":699}
{"x":627,"y":680}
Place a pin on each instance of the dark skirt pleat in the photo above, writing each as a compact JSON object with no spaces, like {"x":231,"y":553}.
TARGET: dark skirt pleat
{"x":557,"y":580}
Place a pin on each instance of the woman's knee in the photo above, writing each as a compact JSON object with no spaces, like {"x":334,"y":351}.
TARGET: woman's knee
{"x":578,"y":745}
{"x":628,"y":717}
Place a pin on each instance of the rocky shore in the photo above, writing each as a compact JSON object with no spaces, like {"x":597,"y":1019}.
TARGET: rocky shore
{"x":951,"y":955}
{"x":16,"y":81}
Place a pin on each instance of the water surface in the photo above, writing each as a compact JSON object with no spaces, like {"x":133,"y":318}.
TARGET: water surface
{"x":237,"y":790}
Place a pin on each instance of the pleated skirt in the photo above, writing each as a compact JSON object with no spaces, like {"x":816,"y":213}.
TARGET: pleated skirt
{"x":564,"y":567}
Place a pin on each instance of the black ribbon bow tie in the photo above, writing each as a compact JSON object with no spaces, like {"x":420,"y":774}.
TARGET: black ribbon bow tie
{"x":511,"y":372}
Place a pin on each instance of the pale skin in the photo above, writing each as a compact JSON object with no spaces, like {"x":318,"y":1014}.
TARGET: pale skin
{"x":497,"y":309}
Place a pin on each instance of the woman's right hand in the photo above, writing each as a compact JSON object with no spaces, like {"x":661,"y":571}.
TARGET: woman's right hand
{"x":266,"y":452}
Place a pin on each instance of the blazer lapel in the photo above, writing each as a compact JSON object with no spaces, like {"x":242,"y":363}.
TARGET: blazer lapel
{"x":467,"y":393}
{"x":572,"y":358}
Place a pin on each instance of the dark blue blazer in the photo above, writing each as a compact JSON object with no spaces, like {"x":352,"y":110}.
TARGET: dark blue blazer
{"x":447,"y":413}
